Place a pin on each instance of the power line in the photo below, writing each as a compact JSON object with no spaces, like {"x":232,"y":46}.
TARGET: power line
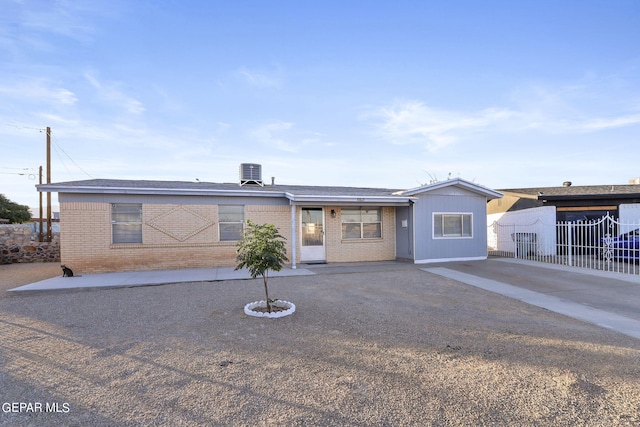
{"x":30,"y":175}
{"x":61,"y":159}
{"x":27,"y":127}
{"x":58,"y":146}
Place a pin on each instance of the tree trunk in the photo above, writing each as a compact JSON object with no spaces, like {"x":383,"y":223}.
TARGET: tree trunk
{"x":265,"y":277}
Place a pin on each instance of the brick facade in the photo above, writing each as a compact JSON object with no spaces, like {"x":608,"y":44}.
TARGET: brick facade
{"x":339,"y":250}
{"x":187,"y":236}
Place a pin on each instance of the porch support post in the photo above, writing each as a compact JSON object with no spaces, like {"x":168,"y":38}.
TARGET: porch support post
{"x":293,"y":235}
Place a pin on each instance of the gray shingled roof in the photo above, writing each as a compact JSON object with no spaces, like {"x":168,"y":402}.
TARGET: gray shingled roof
{"x":296,"y":193}
{"x":578,"y":191}
{"x":187,"y":185}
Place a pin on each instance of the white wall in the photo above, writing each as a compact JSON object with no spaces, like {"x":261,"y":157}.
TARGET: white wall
{"x":540,"y":221}
{"x":629,"y":216}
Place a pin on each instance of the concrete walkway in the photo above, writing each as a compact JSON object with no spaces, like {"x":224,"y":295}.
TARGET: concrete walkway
{"x":165,"y":277}
{"x":146,"y":278}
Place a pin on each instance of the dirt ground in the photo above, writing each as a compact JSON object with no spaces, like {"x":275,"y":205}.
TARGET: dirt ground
{"x":14,"y":275}
{"x":382,"y":348}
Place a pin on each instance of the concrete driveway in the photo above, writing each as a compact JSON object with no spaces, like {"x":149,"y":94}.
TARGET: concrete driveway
{"x":610,"y":300}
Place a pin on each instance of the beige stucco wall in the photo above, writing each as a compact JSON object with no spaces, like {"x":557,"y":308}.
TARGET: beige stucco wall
{"x":186,"y":236}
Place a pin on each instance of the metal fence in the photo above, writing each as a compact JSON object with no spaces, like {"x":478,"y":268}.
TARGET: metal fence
{"x":605,"y":244}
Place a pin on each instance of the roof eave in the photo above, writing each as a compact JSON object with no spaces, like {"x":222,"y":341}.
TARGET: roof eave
{"x":475,"y":188}
{"x":519,"y":194}
{"x":154,"y":191}
{"x":589,"y":196}
{"x":320,"y":199}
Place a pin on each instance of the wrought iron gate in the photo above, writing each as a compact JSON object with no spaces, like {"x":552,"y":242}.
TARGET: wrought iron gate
{"x":604,"y":244}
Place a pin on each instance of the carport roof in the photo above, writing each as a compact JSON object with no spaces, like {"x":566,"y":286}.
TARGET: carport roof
{"x":578,"y":191}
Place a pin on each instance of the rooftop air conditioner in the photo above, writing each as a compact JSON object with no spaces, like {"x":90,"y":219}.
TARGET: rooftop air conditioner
{"x":250,"y":173}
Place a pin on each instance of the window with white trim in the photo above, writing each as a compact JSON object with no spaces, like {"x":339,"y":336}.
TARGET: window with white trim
{"x":126,"y":223}
{"x":452,"y":225}
{"x":362,"y":223}
{"x":230,"y":222}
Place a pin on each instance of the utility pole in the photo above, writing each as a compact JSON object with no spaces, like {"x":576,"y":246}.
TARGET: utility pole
{"x":48,"y":182}
{"x":40,"y":234}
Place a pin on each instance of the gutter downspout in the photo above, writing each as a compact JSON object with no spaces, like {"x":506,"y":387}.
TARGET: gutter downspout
{"x":293,"y":235}
{"x":410,"y":230}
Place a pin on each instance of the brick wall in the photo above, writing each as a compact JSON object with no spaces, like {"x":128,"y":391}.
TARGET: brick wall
{"x":187,"y":236}
{"x":339,"y":250}
{"x":280,"y":216}
{"x":174,"y":236}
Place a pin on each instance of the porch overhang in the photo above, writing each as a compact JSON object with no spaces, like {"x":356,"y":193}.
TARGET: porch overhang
{"x":349,"y":200}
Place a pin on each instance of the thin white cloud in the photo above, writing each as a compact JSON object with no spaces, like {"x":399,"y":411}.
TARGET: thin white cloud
{"x":41,"y":91}
{"x":112,"y":94}
{"x":72,"y":19}
{"x":583,"y":106}
{"x":166,"y":102}
{"x":414,"y":122}
{"x":261,"y":79}
{"x":608,"y":123}
{"x":271,"y":135}
{"x":570,"y":124}
{"x":410,"y":121}
{"x":222,"y":127}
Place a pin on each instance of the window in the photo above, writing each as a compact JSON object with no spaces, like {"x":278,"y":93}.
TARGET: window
{"x":126,"y":223}
{"x":230,"y":222}
{"x":452,"y":225}
{"x":361,"y":223}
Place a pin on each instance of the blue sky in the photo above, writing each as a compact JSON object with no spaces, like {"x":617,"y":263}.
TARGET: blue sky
{"x":357,"y":93}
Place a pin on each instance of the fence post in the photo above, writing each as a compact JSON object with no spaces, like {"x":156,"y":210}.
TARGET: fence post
{"x":570,"y":243}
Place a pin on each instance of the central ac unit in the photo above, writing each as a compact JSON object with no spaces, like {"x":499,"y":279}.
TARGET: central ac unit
{"x":251,"y":173}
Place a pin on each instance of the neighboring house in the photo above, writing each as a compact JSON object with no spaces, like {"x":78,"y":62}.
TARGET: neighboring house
{"x":122,"y":225}
{"x":572,"y":203}
{"x":538,"y":215}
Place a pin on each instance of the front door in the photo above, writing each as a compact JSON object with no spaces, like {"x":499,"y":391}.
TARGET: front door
{"x":312,"y":235}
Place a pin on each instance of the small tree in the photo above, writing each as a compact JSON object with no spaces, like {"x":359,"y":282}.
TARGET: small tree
{"x":12,"y":211}
{"x":262,"y":248}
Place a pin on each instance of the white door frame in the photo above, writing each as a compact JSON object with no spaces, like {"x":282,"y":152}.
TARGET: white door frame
{"x":310,"y":232}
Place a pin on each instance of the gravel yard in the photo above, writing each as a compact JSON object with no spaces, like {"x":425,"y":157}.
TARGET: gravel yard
{"x":386,"y":348}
